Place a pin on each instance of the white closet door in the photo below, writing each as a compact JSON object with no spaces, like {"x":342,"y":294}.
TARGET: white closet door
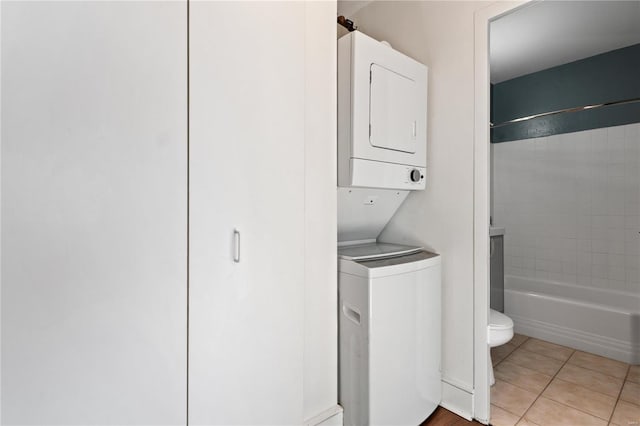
{"x":94,"y":203}
{"x":246,"y":173}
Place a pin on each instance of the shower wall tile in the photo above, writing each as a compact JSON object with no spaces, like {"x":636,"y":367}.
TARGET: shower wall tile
{"x":570,"y":204}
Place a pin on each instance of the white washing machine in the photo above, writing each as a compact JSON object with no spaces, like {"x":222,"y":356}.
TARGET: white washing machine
{"x":389,"y":328}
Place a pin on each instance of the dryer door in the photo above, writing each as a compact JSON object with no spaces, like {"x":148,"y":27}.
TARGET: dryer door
{"x":392,"y":110}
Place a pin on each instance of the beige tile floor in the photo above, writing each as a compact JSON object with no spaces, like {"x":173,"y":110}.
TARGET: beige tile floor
{"x":543,"y":384}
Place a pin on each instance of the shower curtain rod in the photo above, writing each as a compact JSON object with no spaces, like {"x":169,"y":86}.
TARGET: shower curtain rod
{"x":560,"y":111}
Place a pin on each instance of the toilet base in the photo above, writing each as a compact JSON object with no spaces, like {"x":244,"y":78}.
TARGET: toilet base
{"x":492,"y":379}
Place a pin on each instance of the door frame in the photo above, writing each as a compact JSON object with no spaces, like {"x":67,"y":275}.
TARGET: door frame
{"x":482,"y":200}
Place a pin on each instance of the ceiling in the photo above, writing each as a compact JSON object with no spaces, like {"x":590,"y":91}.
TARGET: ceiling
{"x":349,"y":7}
{"x":545,"y":34}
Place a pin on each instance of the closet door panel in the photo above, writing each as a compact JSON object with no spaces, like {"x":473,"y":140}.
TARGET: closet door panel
{"x":247,"y":174}
{"x":94,"y":213}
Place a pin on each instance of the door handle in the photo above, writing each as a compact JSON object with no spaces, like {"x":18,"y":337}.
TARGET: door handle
{"x":236,"y":246}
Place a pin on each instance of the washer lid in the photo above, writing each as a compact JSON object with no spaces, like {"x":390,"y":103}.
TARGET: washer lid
{"x":389,"y":266}
{"x":372,"y":251}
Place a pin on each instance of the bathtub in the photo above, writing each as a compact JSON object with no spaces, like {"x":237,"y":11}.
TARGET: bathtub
{"x":603,"y":322}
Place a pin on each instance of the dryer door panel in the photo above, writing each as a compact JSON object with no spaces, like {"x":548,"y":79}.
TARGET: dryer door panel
{"x":392,"y":110}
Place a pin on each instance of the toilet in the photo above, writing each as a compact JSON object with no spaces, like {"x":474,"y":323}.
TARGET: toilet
{"x":500,"y":332}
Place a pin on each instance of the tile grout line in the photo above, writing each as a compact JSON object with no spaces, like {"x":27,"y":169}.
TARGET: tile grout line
{"x":547,"y":356}
{"x":615,"y":405}
{"x":574,"y":365}
{"x":587,"y":388}
{"x":548,"y":384}
{"x":505,"y":357}
{"x":578,"y":409}
{"x":598,"y":371}
{"x":509,"y":354}
{"x":604,"y":374}
{"x":626,"y":380}
{"x":575,"y":384}
{"x":499,"y":362}
{"x":559,"y":402}
{"x":531,"y":369}
{"x":523,"y":388}
{"x":554,"y":377}
{"x":564,"y":380}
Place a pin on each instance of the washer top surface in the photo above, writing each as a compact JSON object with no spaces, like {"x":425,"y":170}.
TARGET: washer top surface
{"x":373,"y":251}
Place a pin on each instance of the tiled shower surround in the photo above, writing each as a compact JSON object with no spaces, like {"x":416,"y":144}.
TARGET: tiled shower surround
{"x":570,"y":204}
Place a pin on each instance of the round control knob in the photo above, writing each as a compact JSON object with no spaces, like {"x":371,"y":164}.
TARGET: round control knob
{"x":415,"y":175}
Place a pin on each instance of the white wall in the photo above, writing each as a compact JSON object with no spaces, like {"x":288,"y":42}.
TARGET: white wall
{"x":571,"y":206}
{"x":441,"y":35}
{"x":320,"y":288}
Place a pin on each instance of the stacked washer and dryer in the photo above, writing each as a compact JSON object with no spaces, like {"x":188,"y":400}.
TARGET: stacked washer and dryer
{"x":390,"y":294}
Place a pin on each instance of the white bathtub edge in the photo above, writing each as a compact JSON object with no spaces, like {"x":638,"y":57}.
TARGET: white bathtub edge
{"x":588,"y":342}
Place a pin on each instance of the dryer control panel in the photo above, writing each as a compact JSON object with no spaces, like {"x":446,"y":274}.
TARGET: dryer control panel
{"x":382,"y":116}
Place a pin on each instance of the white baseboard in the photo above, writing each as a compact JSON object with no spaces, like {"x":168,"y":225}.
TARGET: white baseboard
{"x":329,"y":417}
{"x":577,"y":339}
{"x":457,"y":400}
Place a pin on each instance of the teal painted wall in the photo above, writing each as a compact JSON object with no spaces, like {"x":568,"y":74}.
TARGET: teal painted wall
{"x":611,"y":76}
